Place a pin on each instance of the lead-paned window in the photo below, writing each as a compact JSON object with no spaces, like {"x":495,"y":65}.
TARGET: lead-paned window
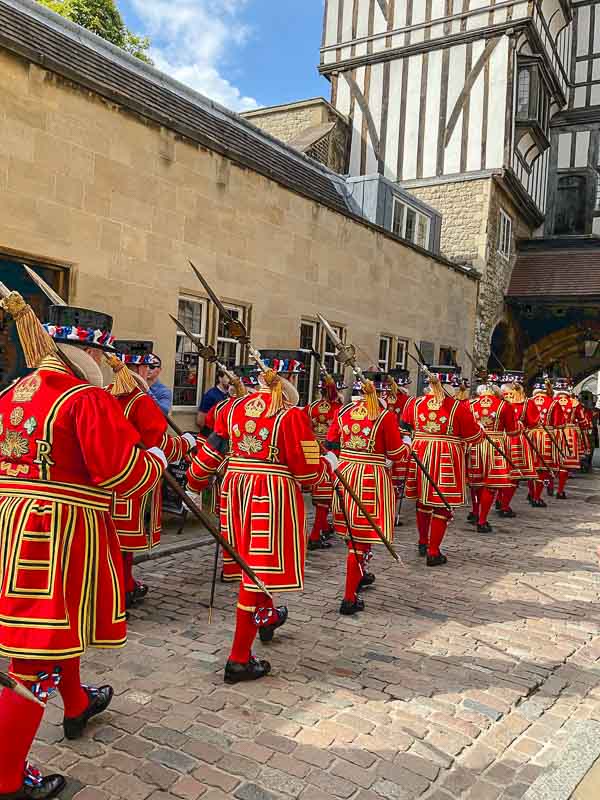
{"x":385,"y":353}
{"x":229,"y":350}
{"x":187,"y":383}
{"x":504,"y":234}
{"x":308,"y":380}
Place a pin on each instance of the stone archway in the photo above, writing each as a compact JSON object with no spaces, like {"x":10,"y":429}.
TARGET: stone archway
{"x":563,"y":352}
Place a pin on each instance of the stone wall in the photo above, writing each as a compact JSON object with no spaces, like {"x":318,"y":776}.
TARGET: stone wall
{"x":124,"y":204}
{"x":470,"y":218}
{"x":286,"y":122}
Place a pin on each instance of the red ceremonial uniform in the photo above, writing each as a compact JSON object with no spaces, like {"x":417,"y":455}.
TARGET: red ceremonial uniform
{"x":262,"y":509}
{"x":365,"y":445}
{"x":322,"y":413}
{"x":65,"y":447}
{"x":573,"y":417}
{"x":520,"y":450}
{"x":488,"y":467}
{"x":396,"y":403}
{"x":552,"y":418}
{"x":441,"y":432}
{"x":138,"y":519}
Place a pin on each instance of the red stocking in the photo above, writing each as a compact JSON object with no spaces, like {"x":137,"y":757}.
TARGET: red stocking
{"x":423,"y":523}
{"x":486,"y":498}
{"x":245,"y":628}
{"x":506,"y":496}
{"x":563,"y":476}
{"x":128,"y":571}
{"x":354,"y":571}
{"x":539,"y":488}
{"x":75,"y":698}
{"x":475,"y":493}
{"x":20,"y":719}
{"x":320,"y":523}
{"x":439,"y":523}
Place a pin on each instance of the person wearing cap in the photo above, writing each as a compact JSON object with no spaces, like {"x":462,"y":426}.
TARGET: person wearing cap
{"x":273,"y":454}
{"x":547,"y":435}
{"x":573,"y":419}
{"x":65,"y":449}
{"x":139,"y":520}
{"x":443,"y":427}
{"x":159,"y":392}
{"x":321,"y":413}
{"x":520,"y":451}
{"x":367,"y":438}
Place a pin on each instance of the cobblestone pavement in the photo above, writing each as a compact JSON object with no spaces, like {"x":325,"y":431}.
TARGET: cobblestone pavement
{"x":463,"y":681}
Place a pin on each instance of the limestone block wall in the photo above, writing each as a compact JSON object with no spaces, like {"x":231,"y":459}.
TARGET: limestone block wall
{"x":286,"y":122}
{"x":124,"y":204}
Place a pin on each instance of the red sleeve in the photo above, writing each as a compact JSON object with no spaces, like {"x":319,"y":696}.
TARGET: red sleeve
{"x":557,"y":418}
{"x":532,"y":415}
{"x":466,"y":426}
{"x":211,"y":452}
{"x":395,"y":449}
{"x":508,"y":418}
{"x":147,"y":418}
{"x":302,"y":453}
{"x":334,"y":433}
{"x":108,"y":446}
{"x":408,"y":412}
{"x":175,"y":447}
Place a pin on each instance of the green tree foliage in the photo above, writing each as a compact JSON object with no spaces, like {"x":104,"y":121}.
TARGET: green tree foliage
{"x":103,"y":18}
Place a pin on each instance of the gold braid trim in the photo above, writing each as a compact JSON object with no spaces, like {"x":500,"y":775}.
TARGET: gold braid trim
{"x":518,"y":393}
{"x":371,"y":399}
{"x":462,"y":393}
{"x":36,"y":342}
{"x":437,"y":390}
{"x":273,"y":381}
{"x":124,"y":382}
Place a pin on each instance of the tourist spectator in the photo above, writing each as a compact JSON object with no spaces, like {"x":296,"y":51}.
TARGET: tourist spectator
{"x":219,"y":392}
{"x":160,"y":393}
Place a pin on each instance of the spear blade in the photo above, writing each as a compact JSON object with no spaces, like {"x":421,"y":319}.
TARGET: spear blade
{"x":53,"y":296}
{"x":236,"y":326}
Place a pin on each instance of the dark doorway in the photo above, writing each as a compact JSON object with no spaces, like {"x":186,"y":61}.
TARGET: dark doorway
{"x":498,"y":360}
{"x":571,"y":198}
{"x":12,"y":274}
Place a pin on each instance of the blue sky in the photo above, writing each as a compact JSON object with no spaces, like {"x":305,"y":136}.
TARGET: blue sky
{"x":241,"y":53}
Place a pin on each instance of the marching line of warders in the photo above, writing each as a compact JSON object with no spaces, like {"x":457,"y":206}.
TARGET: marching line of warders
{"x":81,"y":466}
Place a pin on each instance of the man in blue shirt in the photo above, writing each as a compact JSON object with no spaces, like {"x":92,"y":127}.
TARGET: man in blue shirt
{"x":220,"y":391}
{"x":160,"y":393}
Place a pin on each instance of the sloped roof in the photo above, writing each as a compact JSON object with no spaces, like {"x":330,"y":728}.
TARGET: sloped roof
{"x":557,"y":268}
{"x":58,"y":45}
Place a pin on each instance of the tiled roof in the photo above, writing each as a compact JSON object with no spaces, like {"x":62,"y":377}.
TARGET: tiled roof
{"x":56,"y":44}
{"x":554,"y":268}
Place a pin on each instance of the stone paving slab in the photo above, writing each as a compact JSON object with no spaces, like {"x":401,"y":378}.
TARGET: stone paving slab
{"x":466,"y":681}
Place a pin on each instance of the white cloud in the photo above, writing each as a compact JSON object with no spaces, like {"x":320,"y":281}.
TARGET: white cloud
{"x":191,"y":40}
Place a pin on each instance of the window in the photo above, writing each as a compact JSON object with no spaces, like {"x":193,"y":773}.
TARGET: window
{"x":533,"y":97}
{"x":229,"y":350}
{"x":410,"y":224}
{"x":571,"y":196}
{"x":307,"y":380}
{"x":504,"y":234}
{"x":447,"y":356}
{"x":187,"y":383}
{"x":385,"y":352}
{"x":401,"y":350}
{"x":329,"y":360}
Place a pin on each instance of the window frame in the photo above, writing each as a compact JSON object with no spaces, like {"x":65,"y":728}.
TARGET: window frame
{"x":401,"y":363}
{"x":239,"y":351}
{"x":385,"y":364}
{"x":310,"y":366}
{"x":330,"y":354}
{"x":419,"y":216}
{"x":449,"y":349}
{"x":505,"y":224}
{"x":179,"y":335}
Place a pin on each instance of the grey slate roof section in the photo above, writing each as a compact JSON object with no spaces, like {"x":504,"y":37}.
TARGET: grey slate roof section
{"x":60,"y":46}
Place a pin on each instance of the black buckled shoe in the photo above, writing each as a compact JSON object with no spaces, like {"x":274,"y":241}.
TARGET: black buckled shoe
{"x":266,"y":632}
{"x":507,"y":513}
{"x":422,"y":550}
{"x":498,"y":505}
{"x":436,"y":561}
{"x":135,"y":597}
{"x":99,"y":701}
{"x":349,"y":608}
{"x":368,"y":579}
{"x":539,"y":503}
{"x":485,"y":528}
{"x":561,"y":496}
{"x":472,"y":518}
{"x":38,"y":788}
{"x":321,"y":544}
{"x":252,"y":671}
{"x":328,"y":534}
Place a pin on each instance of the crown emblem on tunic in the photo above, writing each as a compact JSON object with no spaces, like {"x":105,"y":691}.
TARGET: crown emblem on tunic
{"x":359,"y":412}
{"x":25,"y":390}
{"x":255,"y":407}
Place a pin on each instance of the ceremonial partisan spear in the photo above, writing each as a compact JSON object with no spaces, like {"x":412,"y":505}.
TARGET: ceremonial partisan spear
{"x":238,"y":331}
{"x":198,"y":512}
{"x":14,"y":686}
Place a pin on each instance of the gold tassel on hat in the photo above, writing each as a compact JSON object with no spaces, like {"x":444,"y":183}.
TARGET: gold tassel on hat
{"x":240,"y":389}
{"x":125,"y":381}
{"x":518,"y":393}
{"x":437,"y":390}
{"x":393,"y":387}
{"x":462,"y":393}
{"x":371,"y":399}
{"x":273,"y":381}
{"x":36,"y":342}
{"x":549,"y":387}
